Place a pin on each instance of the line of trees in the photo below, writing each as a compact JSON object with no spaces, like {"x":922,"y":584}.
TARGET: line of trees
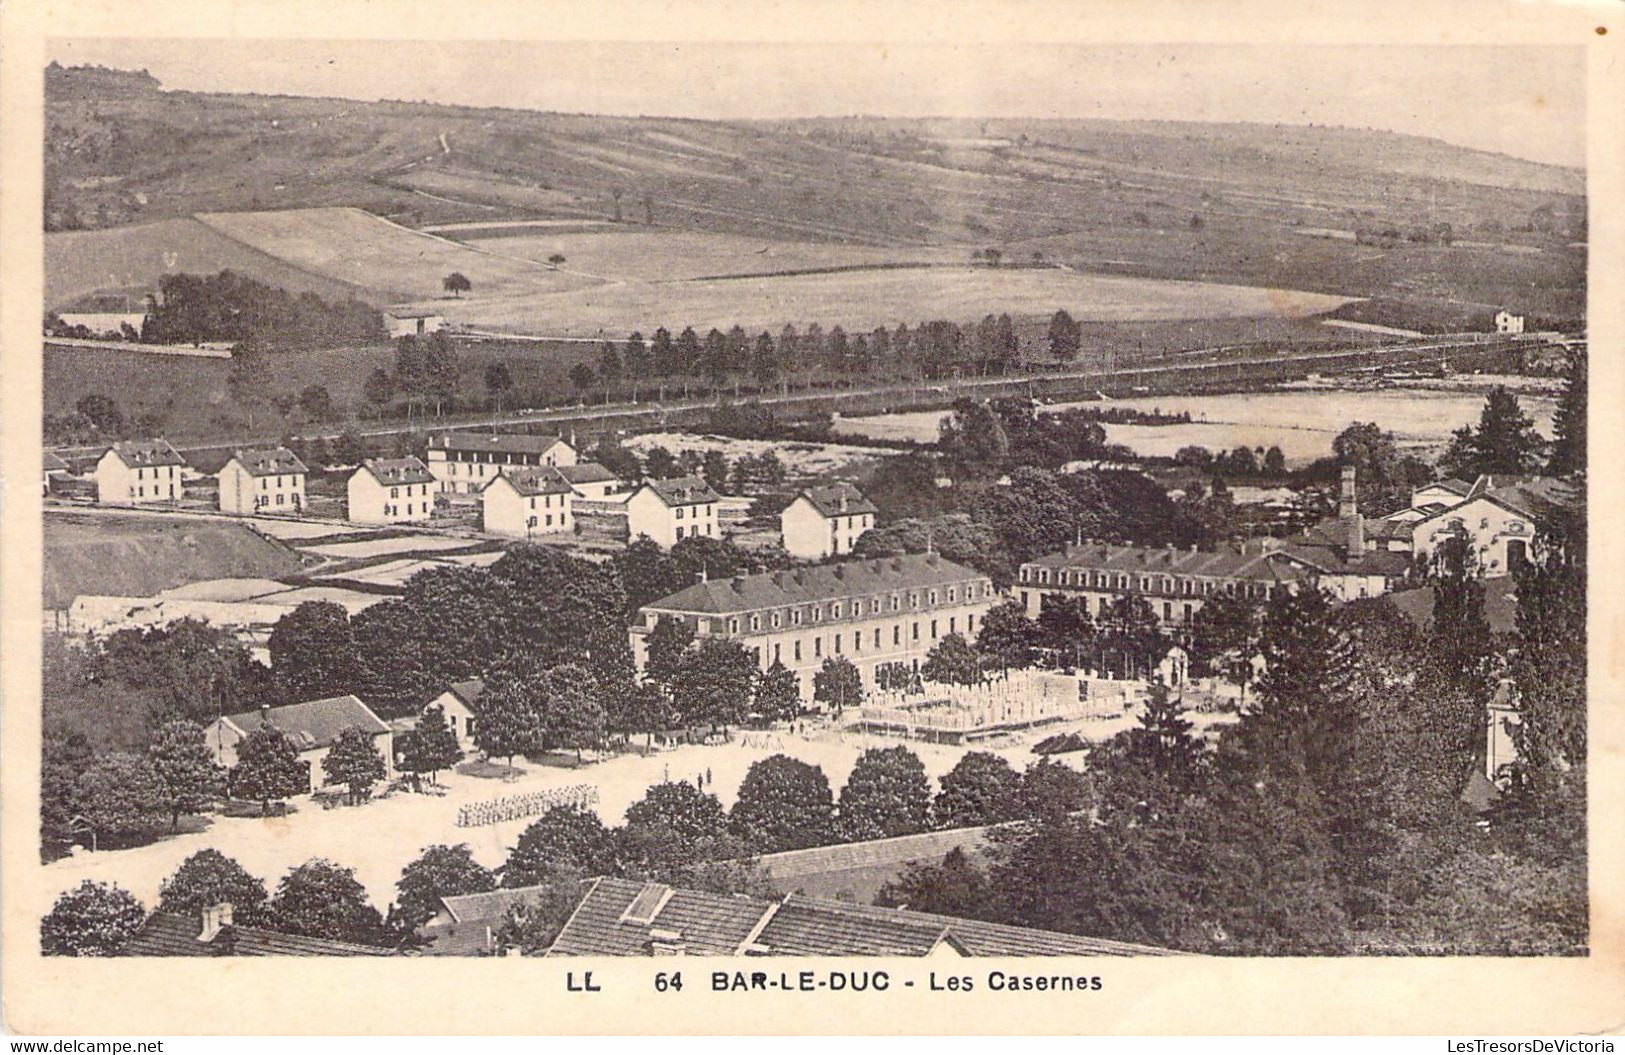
{"x":228,"y":306}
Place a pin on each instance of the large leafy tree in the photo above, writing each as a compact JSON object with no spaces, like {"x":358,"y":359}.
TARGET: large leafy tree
{"x":268,"y":768}
{"x":667,"y":644}
{"x":209,"y":878}
{"x":122,"y":798}
{"x":1130,"y":639}
{"x":323,"y":900}
{"x":1065,"y":337}
{"x":564,"y":837}
{"x":953,"y":661}
{"x":313,"y":652}
{"x":714,"y":683}
{"x":186,"y":768}
{"x":784,"y":804}
{"x":837,"y":684}
{"x":1065,"y":628}
{"x":93,"y":919}
{"x":1384,"y":476}
{"x":440,"y":871}
{"x":886,"y":794}
{"x":1050,"y":789}
{"x":982,"y":788}
{"x":778,"y":694}
{"x":1007,"y":637}
{"x":509,"y":715}
{"x":680,"y":808}
{"x":432,"y":746}
{"x":572,"y":715}
{"x":355,"y":762}
{"x":1224,"y":638}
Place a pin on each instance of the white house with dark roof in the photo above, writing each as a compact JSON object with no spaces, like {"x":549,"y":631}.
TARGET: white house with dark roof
{"x":872,"y":612}
{"x":671,"y":510}
{"x":404,"y":322}
{"x":825,"y":521}
{"x":391,"y":491}
{"x":138,"y":472}
{"x":262,"y":481}
{"x":460,"y":702}
{"x":524,"y":503}
{"x":1498,"y":520}
{"x":464,"y":462}
{"x":313,"y":727}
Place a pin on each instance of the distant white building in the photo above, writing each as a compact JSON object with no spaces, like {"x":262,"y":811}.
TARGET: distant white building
{"x":1506,"y":322}
{"x":825,"y":521}
{"x":413,"y":323}
{"x":262,"y":481}
{"x":671,"y":510}
{"x":391,"y":491}
{"x":523,"y":503}
{"x":460,"y":702}
{"x":138,"y":472}
{"x":463,"y":463}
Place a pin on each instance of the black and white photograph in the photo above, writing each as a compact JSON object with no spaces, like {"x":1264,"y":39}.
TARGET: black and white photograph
{"x":580,"y":499}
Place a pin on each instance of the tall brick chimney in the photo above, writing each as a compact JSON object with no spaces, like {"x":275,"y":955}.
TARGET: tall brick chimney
{"x":1348,"y":510}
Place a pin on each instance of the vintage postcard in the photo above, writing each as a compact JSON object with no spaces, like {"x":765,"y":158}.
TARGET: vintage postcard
{"x":1060,"y":519}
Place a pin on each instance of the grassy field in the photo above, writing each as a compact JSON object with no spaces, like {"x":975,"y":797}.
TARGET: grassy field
{"x":390,"y":261}
{"x":862,"y":300}
{"x":656,"y":255}
{"x":79,"y":263}
{"x":137,"y":556}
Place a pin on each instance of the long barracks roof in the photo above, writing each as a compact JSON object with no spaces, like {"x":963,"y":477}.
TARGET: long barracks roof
{"x":622,"y":917}
{"x":825,"y":582}
{"x":683,"y":491}
{"x":392,"y":472}
{"x":147,"y":452}
{"x":314,"y":724}
{"x":829,"y":500}
{"x":605,"y":923}
{"x":501,"y":443}
{"x":585,"y":473}
{"x":53,"y":464}
{"x":173,"y":934}
{"x":271,"y":461}
{"x":1226,"y":562}
{"x":533,"y":480}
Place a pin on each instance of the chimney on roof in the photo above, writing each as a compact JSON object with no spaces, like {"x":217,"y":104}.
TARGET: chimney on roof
{"x":739,"y":584}
{"x":843,"y":501}
{"x":1348,"y":510}
{"x":265,"y":714}
{"x":1348,"y":505}
{"x":931,"y":559}
{"x":214,"y":918}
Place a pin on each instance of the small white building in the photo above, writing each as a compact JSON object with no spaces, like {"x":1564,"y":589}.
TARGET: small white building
{"x":262,"y":481}
{"x":523,"y":503}
{"x":825,"y":521}
{"x":313,"y":727}
{"x":403,"y":323}
{"x":55,"y":469}
{"x":671,"y":510}
{"x":460,"y":702}
{"x":1506,"y":322}
{"x":391,"y":491}
{"x":137,"y":472}
{"x":590,"y":480}
{"x":463,"y":463}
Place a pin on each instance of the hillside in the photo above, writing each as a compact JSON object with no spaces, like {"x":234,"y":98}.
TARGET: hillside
{"x":1257,"y":205}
